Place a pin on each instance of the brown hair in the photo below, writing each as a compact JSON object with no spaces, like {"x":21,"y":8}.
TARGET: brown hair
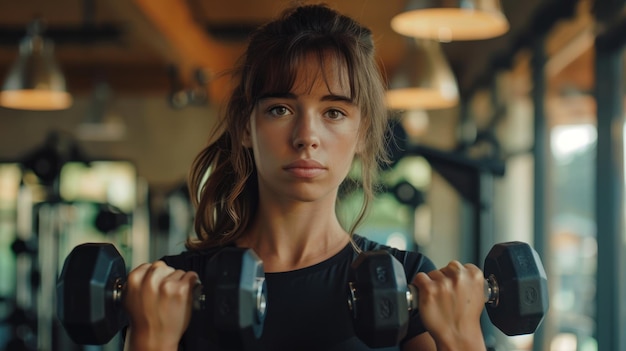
{"x":223,"y":182}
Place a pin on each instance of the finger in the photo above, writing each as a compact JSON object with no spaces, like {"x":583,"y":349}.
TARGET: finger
{"x":424,"y":285}
{"x":431,"y":284}
{"x":135,"y":277}
{"x":181,"y":281}
{"x":474,"y":272}
{"x":175,"y":275}
{"x":156,"y":273}
{"x":421,"y":279}
{"x":441,"y":276}
{"x":160,"y":268}
{"x":192,"y":277}
{"x":175,"y":286}
{"x":454,"y":269}
{"x":180,"y":276}
{"x":156,"y":265}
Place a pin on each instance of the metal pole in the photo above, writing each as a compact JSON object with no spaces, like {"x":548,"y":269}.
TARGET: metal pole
{"x":541,"y":155}
{"x":610,"y":304}
{"x":48,"y":215}
{"x":609,"y":93}
{"x":485,"y":240}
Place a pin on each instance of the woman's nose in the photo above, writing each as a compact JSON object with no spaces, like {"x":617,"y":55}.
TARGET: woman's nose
{"x":305,"y":133}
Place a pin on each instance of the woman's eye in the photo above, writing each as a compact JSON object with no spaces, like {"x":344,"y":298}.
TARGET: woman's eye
{"x":335,"y":114}
{"x":279,"y":111}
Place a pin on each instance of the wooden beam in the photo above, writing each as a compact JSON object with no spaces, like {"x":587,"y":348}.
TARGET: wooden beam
{"x":570,"y":50}
{"x":139,"y":80}
{"x":192,"y":47}
{"x":140,"y":29}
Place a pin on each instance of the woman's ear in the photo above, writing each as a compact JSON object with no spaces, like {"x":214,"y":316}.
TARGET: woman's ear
{"x":246,"y":139}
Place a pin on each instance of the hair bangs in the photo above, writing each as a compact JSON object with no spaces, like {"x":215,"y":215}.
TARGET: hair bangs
{"x":278,"y":69}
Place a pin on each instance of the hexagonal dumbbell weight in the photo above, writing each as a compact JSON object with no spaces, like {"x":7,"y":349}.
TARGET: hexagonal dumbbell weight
{"x":90,"y":293}
{"x":378,"y":299}
{"x":381,"y":301}
{"x":236,"y":297}
{"x":516,"y":288}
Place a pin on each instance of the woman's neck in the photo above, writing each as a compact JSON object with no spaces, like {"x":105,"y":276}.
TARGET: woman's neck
{"x":295,"y":236}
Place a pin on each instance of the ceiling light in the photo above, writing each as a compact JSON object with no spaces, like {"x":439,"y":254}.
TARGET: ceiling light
{"x":450,"y":20}
{"x":35,"y":82}
{"x":424,"y":80}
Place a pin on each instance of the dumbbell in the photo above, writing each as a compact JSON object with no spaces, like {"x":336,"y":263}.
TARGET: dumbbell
{"x":90,"y":291}
{"x":381,"y":301}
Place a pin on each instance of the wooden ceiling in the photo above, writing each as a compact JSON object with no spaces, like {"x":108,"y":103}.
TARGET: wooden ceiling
{"x":133,"y":44}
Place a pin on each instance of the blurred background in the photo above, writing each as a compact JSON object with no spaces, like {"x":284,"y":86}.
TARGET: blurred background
{"x":509,"y":116}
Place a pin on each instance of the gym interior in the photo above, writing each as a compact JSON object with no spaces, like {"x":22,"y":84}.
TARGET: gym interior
{"x":522,"y":141}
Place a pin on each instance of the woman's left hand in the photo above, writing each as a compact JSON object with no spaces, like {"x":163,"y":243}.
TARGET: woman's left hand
{"x":451,"y":301}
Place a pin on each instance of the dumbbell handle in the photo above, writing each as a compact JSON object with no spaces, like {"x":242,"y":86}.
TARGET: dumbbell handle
{"x":492,"y":293}
{"x":119,"y":285}
{"x":199,"y":298}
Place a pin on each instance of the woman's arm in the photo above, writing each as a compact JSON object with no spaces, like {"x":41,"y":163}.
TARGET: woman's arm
{"x":158,"y":300}
{"x":451,"y":301}
{"x":422,"y":342}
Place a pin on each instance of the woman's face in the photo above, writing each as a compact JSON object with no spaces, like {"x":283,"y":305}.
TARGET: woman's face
{"x":304,"y":140}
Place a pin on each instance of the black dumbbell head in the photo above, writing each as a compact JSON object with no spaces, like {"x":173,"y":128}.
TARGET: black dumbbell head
{"x":379,"y":306}
{"x":85,"y":303}
{"x":521,"y":278}
{"x":236,"y":295}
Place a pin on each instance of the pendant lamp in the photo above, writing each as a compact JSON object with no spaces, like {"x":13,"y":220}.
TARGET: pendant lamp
{"x":450,"y":20}
{"x":424,"y":79}
{"x":35,"y":82}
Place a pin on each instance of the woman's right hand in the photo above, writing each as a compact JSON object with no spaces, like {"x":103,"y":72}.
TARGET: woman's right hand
{"x":159,"y":301}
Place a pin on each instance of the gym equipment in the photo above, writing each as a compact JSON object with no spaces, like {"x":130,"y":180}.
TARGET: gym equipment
{"x":381,"y":301}
{"x":21,"y":246}
{"x":110,"y":218}
{"x":90,"y":291}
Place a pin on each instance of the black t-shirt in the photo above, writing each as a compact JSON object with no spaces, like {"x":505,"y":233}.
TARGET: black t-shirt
{"x":307,"y":308}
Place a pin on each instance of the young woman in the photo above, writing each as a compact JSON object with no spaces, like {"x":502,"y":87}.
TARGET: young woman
{"x":309,"y":100}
